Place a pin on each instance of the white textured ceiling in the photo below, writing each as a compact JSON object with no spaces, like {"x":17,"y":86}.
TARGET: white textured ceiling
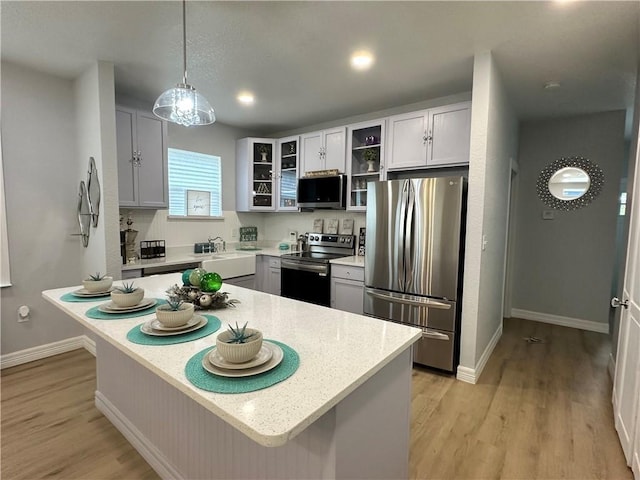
{"x":295,"y":55}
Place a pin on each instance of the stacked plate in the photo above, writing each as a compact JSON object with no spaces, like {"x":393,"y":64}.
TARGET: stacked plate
{"x":111,"y":307}
{"x":269,"y":357}
{"x":84,"y":293}
{"x":155,"y":328}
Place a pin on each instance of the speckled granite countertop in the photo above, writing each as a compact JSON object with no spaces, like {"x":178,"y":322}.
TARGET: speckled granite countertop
{"x":338,"y":352}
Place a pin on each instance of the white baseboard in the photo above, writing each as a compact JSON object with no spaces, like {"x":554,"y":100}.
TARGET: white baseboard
{"x":471,"y":375}
{"x":560,"y":320}
{"x":89,"y":345}
{"x":149,"y":452}
{"x":42,"y":351}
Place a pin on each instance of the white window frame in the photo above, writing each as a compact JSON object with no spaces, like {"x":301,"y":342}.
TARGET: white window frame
{"x":196,"y":184}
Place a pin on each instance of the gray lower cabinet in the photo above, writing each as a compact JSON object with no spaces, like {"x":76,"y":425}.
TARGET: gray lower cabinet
{"x":246,"y":281}
{"x":141,"y":140}
{"x":347,"y":288}
{"x":268,"y":274}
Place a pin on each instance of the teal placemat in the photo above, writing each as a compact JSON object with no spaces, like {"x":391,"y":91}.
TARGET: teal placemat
{"x":197,"y":375}
{"x":136,"y":336}
{"x":69,"y":297}
{"x":98,"y":315}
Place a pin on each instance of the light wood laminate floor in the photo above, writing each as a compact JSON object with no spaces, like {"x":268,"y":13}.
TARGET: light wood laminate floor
{"x":540,"y":411}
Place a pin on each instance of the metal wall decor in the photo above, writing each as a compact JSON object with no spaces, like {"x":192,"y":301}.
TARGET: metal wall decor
{"x":93,"y":191}
{"x":596,"y":181}
{"x":84,"y":214}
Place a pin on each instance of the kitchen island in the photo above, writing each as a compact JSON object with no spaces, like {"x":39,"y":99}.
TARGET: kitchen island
{"x":343,"y":414}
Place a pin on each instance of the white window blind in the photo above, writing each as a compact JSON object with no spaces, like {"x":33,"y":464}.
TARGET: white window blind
{"x":194,"y":171}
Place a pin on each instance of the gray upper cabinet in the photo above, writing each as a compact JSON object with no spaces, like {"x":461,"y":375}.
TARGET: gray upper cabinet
{"x":435,"y":137}
{"x":142,"y":159}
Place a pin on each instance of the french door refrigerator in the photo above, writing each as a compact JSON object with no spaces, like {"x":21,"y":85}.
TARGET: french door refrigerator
{"x":413,"y":266}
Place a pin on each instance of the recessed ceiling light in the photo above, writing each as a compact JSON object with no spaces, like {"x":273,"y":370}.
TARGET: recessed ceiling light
{"x":361,"y":60}
{"x":245,"y":98}
{"x":551,"y":85}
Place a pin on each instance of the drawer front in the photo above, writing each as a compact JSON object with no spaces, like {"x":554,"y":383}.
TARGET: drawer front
{"x":349,"y":273}
{"x":435,"y":349}
{"x":274,"y":262}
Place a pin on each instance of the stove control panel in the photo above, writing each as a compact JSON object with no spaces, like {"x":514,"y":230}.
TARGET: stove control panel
{"x":327,"y":240}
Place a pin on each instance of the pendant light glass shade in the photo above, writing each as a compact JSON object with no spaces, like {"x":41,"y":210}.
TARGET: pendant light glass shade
{"x":182,"y":104}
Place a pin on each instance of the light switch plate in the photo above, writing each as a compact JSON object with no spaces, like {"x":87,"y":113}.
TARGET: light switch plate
{"x":548,"y":215}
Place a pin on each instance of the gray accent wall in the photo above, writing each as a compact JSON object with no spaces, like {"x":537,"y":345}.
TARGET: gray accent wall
{"x":564,"y":266}
{"x":41,"y":181}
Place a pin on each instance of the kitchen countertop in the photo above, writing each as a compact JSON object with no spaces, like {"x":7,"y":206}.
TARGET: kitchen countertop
{"x":183,"y":257}
{"x":353,"y":261}
{"x":338,"y":352}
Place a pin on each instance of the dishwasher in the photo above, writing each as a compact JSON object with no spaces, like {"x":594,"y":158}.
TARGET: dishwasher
{"x":158,"y":270}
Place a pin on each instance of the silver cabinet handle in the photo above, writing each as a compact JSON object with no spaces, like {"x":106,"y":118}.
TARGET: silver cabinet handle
{"x":407,"y":301}
{"x":433,"y":335}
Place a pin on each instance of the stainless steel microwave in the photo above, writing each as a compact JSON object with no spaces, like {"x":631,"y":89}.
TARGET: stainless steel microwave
{"x":323,"y":192}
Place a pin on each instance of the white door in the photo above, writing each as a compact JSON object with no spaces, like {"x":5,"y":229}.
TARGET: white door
{"x":335,"y":149}
{"x":627,"y":375}
{"x":449,"y":134}
{"x":408,"y":135}
{"x":311,"y":149}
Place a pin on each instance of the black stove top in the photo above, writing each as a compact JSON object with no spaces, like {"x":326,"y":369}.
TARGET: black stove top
{"x":317,"y":257}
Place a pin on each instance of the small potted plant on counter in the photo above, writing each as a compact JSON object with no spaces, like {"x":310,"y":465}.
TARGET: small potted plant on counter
{"x":97,"y":283}
{"x":175,"y":312}
{"x":127,"y":295}
{"x":239,"y":344}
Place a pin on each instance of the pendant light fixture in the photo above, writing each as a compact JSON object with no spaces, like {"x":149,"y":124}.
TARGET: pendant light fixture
{"x":182,"y":104}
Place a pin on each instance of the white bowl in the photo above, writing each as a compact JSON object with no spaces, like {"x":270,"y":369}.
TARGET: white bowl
{"x":239,"y":352}
{"x":94,"y":286}
{"x":127,"y":299}
{"x":174,"y":318}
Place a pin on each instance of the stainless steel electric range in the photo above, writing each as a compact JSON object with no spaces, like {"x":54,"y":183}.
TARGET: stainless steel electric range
{"x":306,"y":275}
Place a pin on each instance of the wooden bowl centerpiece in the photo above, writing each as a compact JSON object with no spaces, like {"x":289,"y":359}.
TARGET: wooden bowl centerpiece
{"x":239,"y":344}
{"x":97,"y":283}
{"x":127,"y":295}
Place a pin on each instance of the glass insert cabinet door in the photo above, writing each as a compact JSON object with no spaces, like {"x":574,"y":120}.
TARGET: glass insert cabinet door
{"x":365,"y":160}
{"x":262,"y":165}
{"x":288,"y":162}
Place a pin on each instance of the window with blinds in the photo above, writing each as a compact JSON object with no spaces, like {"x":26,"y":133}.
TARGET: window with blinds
{"x":196,"y":172}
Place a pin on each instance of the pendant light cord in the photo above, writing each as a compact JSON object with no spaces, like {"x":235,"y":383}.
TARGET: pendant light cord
{"x":184,"y":40}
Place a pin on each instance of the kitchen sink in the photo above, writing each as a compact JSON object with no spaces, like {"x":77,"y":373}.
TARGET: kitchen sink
{"x":232,"y":264}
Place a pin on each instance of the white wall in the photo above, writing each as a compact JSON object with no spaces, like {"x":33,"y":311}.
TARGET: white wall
{"x":494,"y":136}
{"x":95,"y":113}
{"x":564,"y":266}
{"x":40,"y":166}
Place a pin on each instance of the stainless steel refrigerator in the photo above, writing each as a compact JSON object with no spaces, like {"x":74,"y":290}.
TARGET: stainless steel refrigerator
{"x":413,"y":266}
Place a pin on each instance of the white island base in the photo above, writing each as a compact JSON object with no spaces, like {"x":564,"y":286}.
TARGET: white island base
{"x":365,"y":435}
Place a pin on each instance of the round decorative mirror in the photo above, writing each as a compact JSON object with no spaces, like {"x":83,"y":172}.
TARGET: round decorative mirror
{"x":570,"y":183}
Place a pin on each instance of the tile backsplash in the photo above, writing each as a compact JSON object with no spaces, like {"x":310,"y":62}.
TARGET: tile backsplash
{"x":272,"y":227}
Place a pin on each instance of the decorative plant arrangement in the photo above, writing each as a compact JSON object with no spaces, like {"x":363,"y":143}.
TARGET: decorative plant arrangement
{"x":239,"y":344}
{"x":176,"y":312}
{"x":127,"y":295}
{"x":370,"y":155}
{"x":202,"y":289}
{"x":97,"y":283}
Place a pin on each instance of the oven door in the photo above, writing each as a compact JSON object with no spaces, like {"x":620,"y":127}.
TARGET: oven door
{"x":305,"y":281}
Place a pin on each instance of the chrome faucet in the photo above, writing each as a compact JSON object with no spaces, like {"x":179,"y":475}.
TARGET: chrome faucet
{"x":215,"y":248}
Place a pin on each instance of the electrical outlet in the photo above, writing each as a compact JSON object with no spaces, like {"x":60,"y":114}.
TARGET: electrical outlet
{"x":23,"y":314}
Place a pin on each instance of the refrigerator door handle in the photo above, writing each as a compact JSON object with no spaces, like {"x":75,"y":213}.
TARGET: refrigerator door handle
{"x":408,"y":235}
{"x":427,"y":303}
{"x":400,"y":255}
{"x":433,"y":335}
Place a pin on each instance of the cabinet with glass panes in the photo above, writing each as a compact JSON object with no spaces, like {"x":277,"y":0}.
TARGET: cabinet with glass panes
{"x":287,"y":174}
{"x":365,"y":161}
{"x":255,"y":174}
